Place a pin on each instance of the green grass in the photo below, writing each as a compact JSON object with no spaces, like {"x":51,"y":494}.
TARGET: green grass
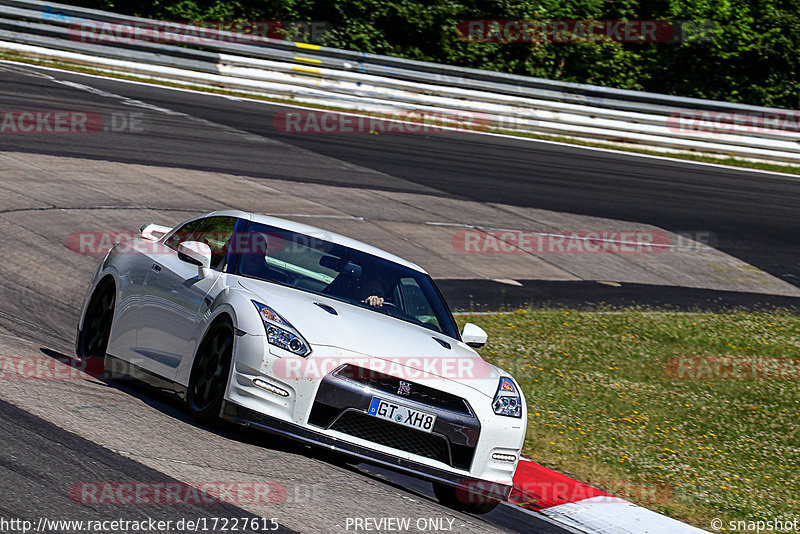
{"x":720,"y":160}
{"x":606,"y":405}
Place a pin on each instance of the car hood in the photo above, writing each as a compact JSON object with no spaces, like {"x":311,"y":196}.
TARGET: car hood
{"x":376,"y":335}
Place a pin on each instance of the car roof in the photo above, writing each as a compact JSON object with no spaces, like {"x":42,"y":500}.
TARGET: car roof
{"x":318,"y":233}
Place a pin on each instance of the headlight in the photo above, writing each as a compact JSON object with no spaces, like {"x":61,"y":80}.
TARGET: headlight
{"x":506,"y":400}
{"x":280,"y":332}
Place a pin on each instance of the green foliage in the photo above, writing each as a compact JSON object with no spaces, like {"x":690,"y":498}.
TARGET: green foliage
{"x":750,"y":54}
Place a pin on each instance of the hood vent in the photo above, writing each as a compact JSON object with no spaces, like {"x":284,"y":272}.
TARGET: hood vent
{"x":327,"y":308}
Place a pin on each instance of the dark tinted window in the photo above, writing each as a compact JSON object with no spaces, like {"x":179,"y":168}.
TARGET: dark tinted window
{"x":216,"y":232}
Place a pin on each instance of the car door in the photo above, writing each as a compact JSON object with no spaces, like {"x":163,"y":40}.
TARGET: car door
{"x":174,"y":297}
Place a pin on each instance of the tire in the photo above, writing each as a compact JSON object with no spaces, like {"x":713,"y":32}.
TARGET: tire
{"x":209,"y":376}
{"x":459,"y":498}
{"x":93,"y":337}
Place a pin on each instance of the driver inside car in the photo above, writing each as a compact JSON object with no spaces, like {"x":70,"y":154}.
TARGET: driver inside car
{"x":374,"y":291}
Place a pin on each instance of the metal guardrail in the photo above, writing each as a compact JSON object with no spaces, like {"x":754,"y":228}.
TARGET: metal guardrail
{"x":318,"y":75}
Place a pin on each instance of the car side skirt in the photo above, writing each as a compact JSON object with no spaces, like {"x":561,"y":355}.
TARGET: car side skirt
{"x":119,"y":370}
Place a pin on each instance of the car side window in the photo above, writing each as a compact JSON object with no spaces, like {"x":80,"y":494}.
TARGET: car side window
{"x":216,"y":232}
{"x":183,"y":233}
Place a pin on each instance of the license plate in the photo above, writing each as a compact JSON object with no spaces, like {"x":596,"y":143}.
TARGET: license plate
{"x":400,"y":414}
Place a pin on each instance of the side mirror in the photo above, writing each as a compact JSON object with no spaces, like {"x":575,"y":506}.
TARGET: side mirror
{"x":474,"y":336}
{"x":196,"y":253}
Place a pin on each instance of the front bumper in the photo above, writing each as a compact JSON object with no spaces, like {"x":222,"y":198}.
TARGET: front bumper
{"x":239,"y":414}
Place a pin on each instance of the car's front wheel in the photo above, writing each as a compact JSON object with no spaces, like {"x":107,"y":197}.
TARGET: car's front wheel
{"x":461,"y":499}
{"x":209,"y":374}
{"x":93,"y":337}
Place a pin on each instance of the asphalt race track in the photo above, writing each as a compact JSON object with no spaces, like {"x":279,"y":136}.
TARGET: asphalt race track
{"x":752,"y":215}
{"x":57,"y":433}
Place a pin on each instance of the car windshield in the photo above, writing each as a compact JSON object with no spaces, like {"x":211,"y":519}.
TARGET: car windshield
{"x":339,"y":272}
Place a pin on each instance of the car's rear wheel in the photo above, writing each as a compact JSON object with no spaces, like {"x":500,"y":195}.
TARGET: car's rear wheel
{"x":463,"y":500}
{"x":93,"y":337}
{"x":209,"y":374}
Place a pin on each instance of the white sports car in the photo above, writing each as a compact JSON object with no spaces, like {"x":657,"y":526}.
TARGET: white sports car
{"x":313,"y":336}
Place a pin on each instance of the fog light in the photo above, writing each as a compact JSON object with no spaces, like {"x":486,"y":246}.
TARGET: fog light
{"x":504,"y":457}
{"x":269,"y":387}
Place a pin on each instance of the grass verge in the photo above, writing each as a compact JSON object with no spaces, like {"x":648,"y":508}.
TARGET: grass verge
{"x":644,"y":404}
{"x":729,"y":161}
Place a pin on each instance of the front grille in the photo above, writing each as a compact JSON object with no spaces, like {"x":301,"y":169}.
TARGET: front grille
{"x":419,"y":393}
{"x":386,"y":433}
